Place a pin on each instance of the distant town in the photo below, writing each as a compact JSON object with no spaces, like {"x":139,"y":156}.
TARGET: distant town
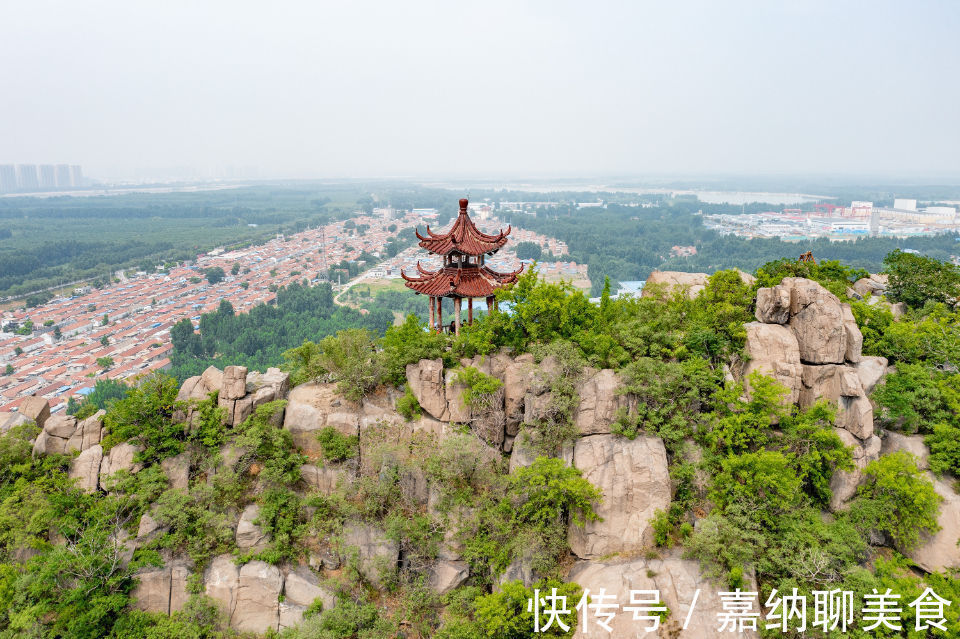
{"x":60,"y":349}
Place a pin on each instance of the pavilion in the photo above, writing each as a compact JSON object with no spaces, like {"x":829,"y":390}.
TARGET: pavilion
{"x":463,"y":274}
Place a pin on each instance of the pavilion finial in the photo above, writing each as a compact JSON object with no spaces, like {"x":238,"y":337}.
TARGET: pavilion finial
{"x":463,"y":204}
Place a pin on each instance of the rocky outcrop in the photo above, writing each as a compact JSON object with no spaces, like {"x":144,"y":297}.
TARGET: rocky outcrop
{"x":940,"y":550}
{"x":894,"y":442}
{"x":676,"y":580}
{"x":121,"y":457}
{"x":843,"y":485}
{"x":635,"y":483}
{"x":871,"y":370}
{"x":376,"y":554}
{"x":670,"y":282}
{"x":600,"y":400}
{"x":85,"y":469}
{"x":426,"y":381}
{"x":249,"y":535}
{"x":445,"y":575}
{"x":323,"y":479}
{"x":36,"y":409}
{"x":221,"y":580}
{"x":301,"y":589}
{"x":177,"y":470}
{"x":162,"y":589}
{"x":312,"y":407}
{"x":773,"y":351}
{"x":257,"y":607}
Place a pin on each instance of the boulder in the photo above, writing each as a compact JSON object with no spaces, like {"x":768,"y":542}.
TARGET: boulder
{"x":867,"y":286}
{"x":302,"y":587}
{"x":323,"y":479}
{"x":520,"y":569}
{"x":12,"y":420}
{"x":92,"y":429}
{"x":516,"y":384}
{"x":841,"y":386}
{"x":672,"y":281}
{"x":274,"y":379}
{"x":816,"y":318}
{"x":60,"y":425}
{"x":121,"y":457}
{"x":457,"y":409}
{"x":47,"y":444}
{"x":148,"y":530}
{"x":854,"y":338}
{"x":249,"y":534}
{"x":913,"y":444}
{"x":212,"y":380}
{"x":773,"y":305}
{"x":220,"y":582}
{"x":635,"y":483}
{"x":675,"y":579}
{"x":376,"y":553}
{"x":856,"y":415}
{"x":36,"y":409}
{"x":444,"y":575}
{"x":258,"y":598}
{"x":177,"y":470}
{"x":773,"y":351}
{"x":234,"y":385}
{"x":152,"y":592}
{"x":179,"y":576}
{"x":843,"y":485}
{"x":187,"y":388}
{"x":85,"y":468}
{"x":871,"y":370}
{"x":599,"y":402}
{"x":426,"y":381}
{"x":939,"y":552}
{"x":312,"y":407}
{"x":291,"y":615}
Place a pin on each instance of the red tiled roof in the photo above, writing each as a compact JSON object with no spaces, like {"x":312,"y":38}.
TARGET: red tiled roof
{"x":451,"y":281}
{"x":463,"y":237}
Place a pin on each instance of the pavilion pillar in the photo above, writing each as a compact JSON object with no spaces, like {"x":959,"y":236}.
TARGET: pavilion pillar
{"x":469,"y":310}
{"x":440,"y":313}
{"x":490,"y":304}
{"x":457,"y":309}
{"x":433,"y":306}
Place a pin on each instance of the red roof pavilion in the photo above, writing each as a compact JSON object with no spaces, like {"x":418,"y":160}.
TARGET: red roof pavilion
{"x":463,"y":274}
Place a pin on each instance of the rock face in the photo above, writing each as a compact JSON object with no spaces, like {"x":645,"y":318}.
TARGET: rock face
{"x":426,"y":382}
{"x":324,"y":479}
{"x":676,"y":579}
{"x":258,"y":598}
{"x":85,"y":469}
{"x":816,"y":318}
{"x":121,"y":457}
{"x":913,"y":444}
{"x":249,"y":534}
{"x":871,"y":370}
{"x":940,"y":550}
{"x":635,"y":482}
{"x":773,"y":351}
{"x":177,"y":470}
{"x":446,"y":575}
{"x":376,"y":553}
{"x":599,"y":402}
{"x":670,"y":281}
{"x":36,"y":409}
{"x":221,"y":581}
{"x":312,"y":407}
{"x":844,"y":483}
{"x":162,"y":589}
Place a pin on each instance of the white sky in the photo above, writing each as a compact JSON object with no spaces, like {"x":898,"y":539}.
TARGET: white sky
{"x":355,"y":88}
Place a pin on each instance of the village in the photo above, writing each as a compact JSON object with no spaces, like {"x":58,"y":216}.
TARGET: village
{"x":62,"y":348}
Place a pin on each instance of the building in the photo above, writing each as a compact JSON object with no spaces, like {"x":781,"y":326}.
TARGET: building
{"x":64,"y":181}
{"x":27,"y":177}
{"x":76,"y":175}
{"x":48,"y":177}
{"x":8,"y":178}
{"x":904,"y":204}
{"x":463,"y":274}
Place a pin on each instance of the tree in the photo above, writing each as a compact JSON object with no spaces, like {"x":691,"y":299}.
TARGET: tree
{"x":235,"y":269}
{"x":105,"y":320}
{"x":528,"y":251}
{"x":917,"y":279}
{"x":18,"y":351}
{"x":104,"y":362}
{"x":214,"y":274}
{"x":104,"y":341}
{"x":56,"y":333}
{"x":9,"y":369}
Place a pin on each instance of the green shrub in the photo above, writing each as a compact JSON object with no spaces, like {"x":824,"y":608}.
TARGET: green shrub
{"x":477,"y":385}
{"x":762,"y":482}
{"x":548,"y":490}
{"x":944,"y":444}
{"x":336,"y":446}
{"x":918,"y":279}
{"x":897,"y":499}
{"x":145,"y":417}
{"x":504,"y":614}
{"x":407,"y":404}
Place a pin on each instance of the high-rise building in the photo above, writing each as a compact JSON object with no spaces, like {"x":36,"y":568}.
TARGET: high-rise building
{"x":48,"y":177}
{"x":27,"y":177}
{"x":63,"y":177}
{"x":76,"y":175}
{"x":8,"y":178}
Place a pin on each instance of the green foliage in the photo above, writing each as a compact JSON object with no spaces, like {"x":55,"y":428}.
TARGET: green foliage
{"x":916,"y":397}
{"x":504,"y":614}
{"x":548,"y":490}
{"x":104,"y":362}
{"x":214,"y":274}
{"x":944,"y":444}
{"x":832,"y":274}
{"x":477,"y":385}
{"x":528,"y":251}
{"x":740,"y":425}
{"x":762,"y":483}
{"x":917,"y":279}
{"x":145,"y":418}
{"x":814,"y":450}
{"x":407,"y":404}
{"x":336,"y":446}
{"x":408,"y":344}
{"x":897,"y":499}
{"x":350,"y":359}
{"x":270,"y":447}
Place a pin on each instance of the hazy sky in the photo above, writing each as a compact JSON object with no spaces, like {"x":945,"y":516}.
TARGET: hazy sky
{"x":546,"y":88}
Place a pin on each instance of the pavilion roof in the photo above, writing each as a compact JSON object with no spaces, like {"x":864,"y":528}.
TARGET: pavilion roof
{"x":463,"y":237}
{"x":468,"y":281}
